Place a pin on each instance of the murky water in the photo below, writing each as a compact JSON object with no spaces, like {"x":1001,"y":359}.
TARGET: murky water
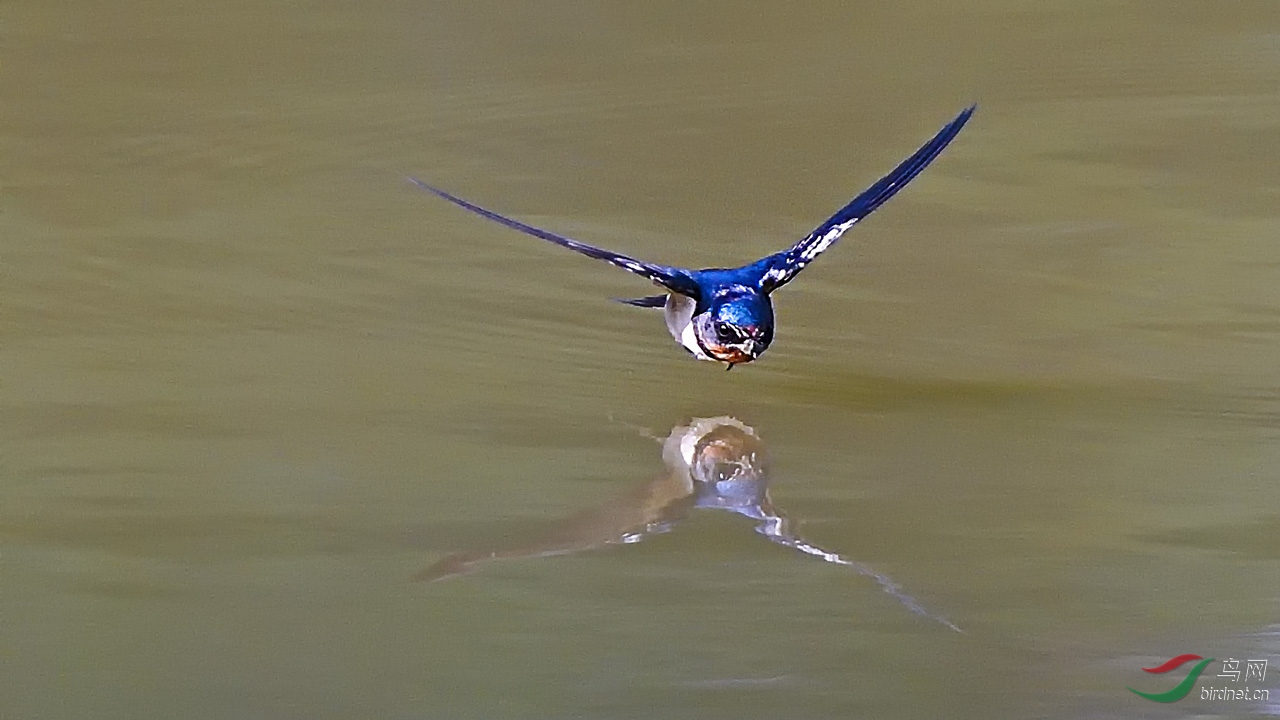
{"x":253,"y":383}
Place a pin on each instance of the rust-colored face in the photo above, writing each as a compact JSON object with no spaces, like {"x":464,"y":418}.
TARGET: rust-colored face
{"x":733,"y":355}
{"x":728,"y":453}
{"x":733,"y":343}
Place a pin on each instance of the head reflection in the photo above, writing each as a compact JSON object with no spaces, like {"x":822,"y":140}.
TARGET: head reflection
{"x":714,"y":463}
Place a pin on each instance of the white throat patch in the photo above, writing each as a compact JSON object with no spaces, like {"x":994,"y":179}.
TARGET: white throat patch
{"x":679,"y":314}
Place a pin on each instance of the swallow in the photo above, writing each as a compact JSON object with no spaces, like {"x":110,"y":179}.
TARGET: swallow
{"x":715,"y":463}
{"x":726,"y":314}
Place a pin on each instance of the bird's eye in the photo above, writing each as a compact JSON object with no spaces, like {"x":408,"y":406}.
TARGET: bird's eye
{"x":725,"y":331}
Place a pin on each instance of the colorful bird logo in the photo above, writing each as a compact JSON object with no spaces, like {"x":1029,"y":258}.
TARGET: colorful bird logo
{"x":1180,"y":690}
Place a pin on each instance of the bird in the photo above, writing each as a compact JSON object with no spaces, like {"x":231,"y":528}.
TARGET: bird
{"x":712,"y":463}
{"x":726,"y":315}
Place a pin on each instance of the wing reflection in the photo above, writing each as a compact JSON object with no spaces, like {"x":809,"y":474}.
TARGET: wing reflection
{"x":712,"y":463}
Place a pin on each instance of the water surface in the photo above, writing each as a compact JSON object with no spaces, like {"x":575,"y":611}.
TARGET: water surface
{"x":254,"y":382}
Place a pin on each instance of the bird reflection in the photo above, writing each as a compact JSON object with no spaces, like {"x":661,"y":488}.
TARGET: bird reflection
{"x":712,"y":463}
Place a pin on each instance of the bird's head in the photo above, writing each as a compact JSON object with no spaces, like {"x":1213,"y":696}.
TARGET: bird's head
{"x":736,"y":328}
{"x":718,"y":451}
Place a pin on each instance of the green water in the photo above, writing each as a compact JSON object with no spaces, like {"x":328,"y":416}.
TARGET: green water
{"x":252,"y":382}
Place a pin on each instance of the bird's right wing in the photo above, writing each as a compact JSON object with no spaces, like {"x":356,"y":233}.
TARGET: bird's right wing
{"x":652,"y":301}
{"x":674,"y":279}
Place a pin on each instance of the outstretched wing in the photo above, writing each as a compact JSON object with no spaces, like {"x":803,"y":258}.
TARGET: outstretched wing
{"x":780,"y":268}
{"x":775,"y":526}
{"x":652,"y":301}
{"x":674,"y":279}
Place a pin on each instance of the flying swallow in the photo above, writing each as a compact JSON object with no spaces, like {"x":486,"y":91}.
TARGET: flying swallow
{"x":726,"y":314}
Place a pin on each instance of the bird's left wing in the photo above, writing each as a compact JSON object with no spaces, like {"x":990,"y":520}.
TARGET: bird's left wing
{"x":674,"y":279}
{"x":780,"y":268}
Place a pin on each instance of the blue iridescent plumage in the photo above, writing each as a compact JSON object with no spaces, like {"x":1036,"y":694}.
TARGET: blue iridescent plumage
{"x":724,"y":314}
